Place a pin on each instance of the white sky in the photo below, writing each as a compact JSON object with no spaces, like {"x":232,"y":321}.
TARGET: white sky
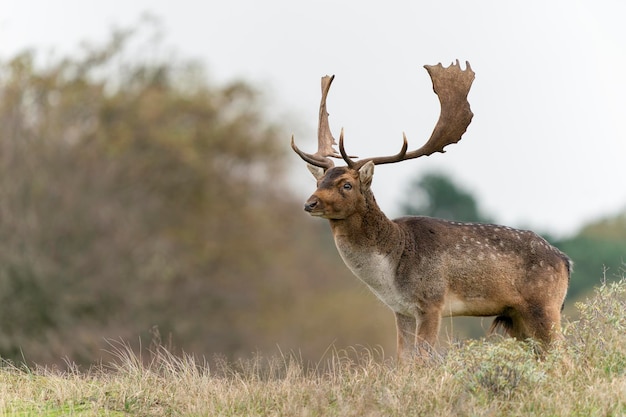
{"x":546,"y":148}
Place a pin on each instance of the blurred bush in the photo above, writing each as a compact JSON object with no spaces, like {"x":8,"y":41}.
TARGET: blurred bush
{"x":134,"y":194}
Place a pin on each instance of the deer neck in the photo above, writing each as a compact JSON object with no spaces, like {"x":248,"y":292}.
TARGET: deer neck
{"x":371,"y":247}
{"x":367,"y":230}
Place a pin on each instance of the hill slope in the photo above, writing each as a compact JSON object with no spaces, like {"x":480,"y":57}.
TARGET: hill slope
{"x":586,"y":376}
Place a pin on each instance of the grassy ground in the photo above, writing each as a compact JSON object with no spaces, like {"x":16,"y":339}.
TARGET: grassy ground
{"x":495,"y":377}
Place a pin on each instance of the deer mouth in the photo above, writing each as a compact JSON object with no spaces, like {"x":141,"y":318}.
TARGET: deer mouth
{"x":314,"y":211}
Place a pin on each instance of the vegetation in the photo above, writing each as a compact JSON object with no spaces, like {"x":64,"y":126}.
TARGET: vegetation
{"x":437,"y":195}
{"x":497,"y":377}
{"x":136,"y":197}
{"x":134,"y":194}
{"x":599,"y":247}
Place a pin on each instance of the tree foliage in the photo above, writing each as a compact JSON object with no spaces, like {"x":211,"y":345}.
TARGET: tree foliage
{"x":598,"y":251}
{"x":436,"y":195}
{"x":134,"y":194}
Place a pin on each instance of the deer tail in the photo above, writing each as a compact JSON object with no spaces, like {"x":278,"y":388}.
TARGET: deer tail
{"x":501,"y":322}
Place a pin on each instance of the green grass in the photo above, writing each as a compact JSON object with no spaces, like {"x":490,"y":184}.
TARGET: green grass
{"x":495,"y":377}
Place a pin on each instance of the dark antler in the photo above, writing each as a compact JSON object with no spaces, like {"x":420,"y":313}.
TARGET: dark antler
{"x":452,"y":86}
{"x":325,"y":139}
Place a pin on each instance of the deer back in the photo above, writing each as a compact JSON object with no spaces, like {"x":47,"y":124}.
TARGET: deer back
{"x":480,"y":267}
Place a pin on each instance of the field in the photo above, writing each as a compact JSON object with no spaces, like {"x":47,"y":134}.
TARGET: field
{"x":493,"y":377}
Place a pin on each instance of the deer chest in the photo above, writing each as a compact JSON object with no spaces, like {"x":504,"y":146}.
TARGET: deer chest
{"x":378,"y":272}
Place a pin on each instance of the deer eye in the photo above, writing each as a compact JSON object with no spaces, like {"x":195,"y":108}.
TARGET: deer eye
{"x":347,"y":186}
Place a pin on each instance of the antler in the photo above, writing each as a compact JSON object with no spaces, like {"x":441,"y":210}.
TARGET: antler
{"x":452,"y":86}
{"x":325,"y":139}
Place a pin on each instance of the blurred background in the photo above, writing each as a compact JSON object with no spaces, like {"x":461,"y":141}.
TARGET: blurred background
{"x":148,"y":191}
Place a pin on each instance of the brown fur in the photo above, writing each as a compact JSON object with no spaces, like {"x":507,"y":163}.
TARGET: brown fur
{"x":425,"y":268}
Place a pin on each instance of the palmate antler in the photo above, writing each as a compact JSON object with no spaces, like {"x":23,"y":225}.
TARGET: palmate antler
{"x":451,"y":84}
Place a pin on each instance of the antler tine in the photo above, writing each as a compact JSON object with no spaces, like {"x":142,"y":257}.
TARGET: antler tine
{"x":452,"y":85}
{"x":325,"y":139}
{"x":400,"y":156}
{"x":313,"y":159}
{"x":343,"y":152}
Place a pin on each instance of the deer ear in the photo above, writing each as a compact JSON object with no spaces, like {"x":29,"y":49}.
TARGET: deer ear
{"x":317,"y":172}
{"x":366,"y":172}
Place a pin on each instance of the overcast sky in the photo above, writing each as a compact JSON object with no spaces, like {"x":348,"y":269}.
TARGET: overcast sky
{"x":547,"y":145}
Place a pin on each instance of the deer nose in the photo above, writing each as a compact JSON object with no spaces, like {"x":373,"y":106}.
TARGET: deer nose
{"x":310,"y":204}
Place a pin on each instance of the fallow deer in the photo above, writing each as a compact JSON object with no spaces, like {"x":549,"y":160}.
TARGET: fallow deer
{"x":426,"y":268}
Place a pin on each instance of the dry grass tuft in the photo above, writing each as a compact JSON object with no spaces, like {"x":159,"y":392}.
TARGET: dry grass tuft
{"x":495,"y":377}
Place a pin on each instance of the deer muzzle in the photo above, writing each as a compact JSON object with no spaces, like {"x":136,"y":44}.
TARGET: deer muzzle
{"x":312,"y":205}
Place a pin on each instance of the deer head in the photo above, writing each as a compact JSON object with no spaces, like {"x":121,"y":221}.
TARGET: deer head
{"x":342,"y":190}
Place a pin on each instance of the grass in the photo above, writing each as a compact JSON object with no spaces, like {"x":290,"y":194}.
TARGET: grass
{"x":496,"y":377}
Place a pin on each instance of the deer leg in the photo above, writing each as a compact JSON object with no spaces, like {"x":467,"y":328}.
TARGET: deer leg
{"x":543,"y":324}
{"x":405,"y":326}
{"x":427,"y":332}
